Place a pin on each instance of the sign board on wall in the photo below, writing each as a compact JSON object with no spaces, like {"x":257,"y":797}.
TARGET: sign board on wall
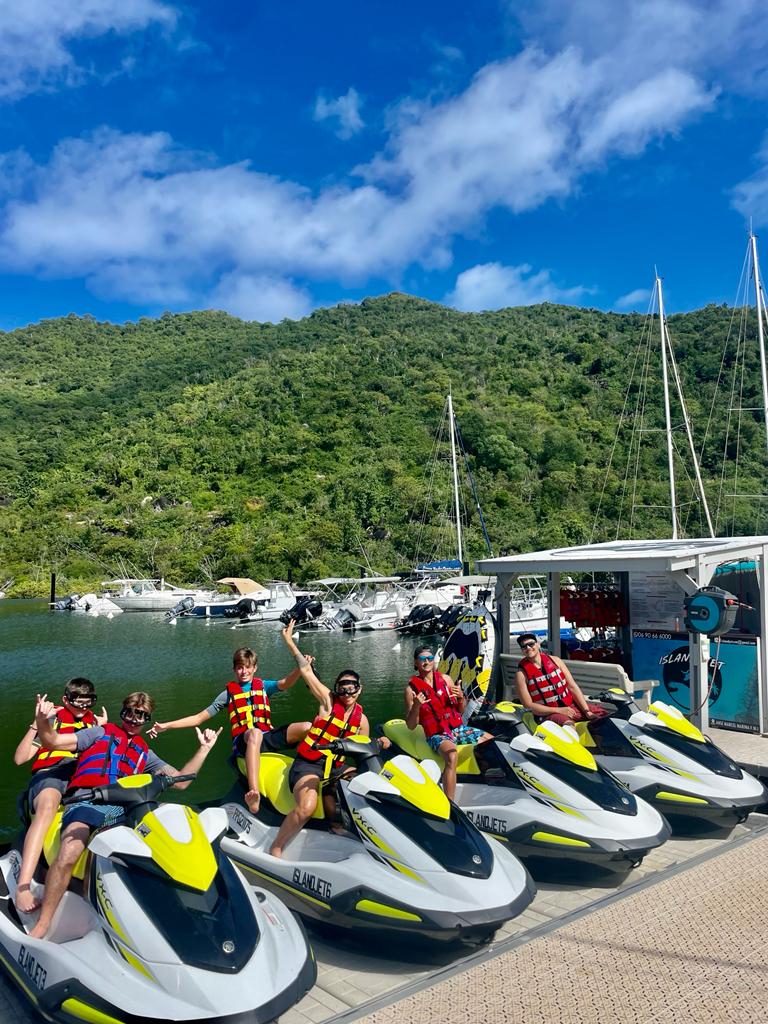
{"x":655,"y":602}
{"x":733,"y":698}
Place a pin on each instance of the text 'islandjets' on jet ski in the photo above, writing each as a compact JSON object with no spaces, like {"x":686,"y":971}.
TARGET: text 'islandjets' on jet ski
{"x":408,"y":860}
{"x":543,"y":794}
{"x":667,"y":761}
{"x":161,"y":926}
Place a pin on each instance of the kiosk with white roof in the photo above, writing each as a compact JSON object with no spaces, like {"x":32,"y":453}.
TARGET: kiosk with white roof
{"x":653,"y":578}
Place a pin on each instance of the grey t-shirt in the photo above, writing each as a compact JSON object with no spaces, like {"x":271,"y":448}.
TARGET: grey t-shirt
{"x":85,"y":737}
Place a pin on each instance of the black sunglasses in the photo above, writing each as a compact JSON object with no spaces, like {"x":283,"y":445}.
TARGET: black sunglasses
{"x":135,"y":715}
{"x":528,"y":644}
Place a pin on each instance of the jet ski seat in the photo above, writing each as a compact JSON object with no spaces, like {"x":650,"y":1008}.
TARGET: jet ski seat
{"x":273,"y":783}
{"x":414,"y":742}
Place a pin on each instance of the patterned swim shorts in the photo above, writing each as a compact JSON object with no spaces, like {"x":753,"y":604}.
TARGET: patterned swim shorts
{"x":461,"y":734}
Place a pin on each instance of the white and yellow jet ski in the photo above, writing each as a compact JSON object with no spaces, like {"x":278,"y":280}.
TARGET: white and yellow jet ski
{"x":543,"y":794}
{"x":408,"y":862}
{"x":159,"y":927}
{"x":666,"y":760}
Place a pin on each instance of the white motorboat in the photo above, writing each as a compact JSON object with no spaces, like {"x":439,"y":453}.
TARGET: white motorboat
{"x":148,"y":595}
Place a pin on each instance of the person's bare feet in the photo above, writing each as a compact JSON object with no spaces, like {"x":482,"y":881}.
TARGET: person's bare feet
{"x":276,"y":851}
{"x":37,"y":932}
{"x":25,"y":902}
{"x":252,"y":800}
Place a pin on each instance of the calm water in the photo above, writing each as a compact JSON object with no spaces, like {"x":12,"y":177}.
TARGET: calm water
{"x":182,"y":666}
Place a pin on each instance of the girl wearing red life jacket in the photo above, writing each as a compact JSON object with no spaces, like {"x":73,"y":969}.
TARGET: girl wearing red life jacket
{"x":51,"y":770}
{"x":437,"y":704}
{"x":339,"y":715}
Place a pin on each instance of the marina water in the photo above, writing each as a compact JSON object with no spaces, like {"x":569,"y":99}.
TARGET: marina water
{"x":183,"y":667}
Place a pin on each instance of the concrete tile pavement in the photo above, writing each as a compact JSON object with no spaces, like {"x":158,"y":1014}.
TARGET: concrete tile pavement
{"x":689,"y":949}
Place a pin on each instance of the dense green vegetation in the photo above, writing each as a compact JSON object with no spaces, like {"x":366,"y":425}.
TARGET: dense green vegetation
{"x":199,"y":445}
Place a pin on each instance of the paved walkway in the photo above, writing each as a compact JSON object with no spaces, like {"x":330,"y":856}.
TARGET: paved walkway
{"x":688,"y":950}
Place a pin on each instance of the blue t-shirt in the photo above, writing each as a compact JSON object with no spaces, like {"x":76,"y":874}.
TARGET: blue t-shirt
{"x":270,"y":687}
{"x":85,"y":737}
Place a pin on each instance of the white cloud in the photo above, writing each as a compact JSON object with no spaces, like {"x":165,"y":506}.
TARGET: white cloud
{"x":494,"y":286}
{"x":35,"y":36}
{"x":260,"y":297}
{"x":345,"y":110}
{"x":634,"y":300}
{"x":141,"y":219}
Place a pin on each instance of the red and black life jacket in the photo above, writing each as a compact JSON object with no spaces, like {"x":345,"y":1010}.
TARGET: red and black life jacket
{"x":111,"y":758}
{"x":327,"y":728}
{"x":64,"y":721}
{"x":440,"y":713}
{"x":546,"y":685}
{"x":248,"y":709}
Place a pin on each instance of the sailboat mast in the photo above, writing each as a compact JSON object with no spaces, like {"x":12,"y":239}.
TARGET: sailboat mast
{"x":760,"y":332}
{"x":455,"y":479}
{"x":667,"y":415}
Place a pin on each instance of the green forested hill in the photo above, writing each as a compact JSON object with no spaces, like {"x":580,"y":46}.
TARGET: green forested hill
{"x":198,"y":442}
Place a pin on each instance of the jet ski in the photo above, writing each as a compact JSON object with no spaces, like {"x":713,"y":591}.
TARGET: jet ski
{"x":160,"y":925}
{"x":409,"y":861}
{"x":666,"y":760}
{"x":543,"y":794}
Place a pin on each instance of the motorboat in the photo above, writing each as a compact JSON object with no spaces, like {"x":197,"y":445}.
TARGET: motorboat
{"x":148,"y":595}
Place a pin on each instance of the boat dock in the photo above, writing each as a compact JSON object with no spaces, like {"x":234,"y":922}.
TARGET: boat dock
{"x":687,"y":927}
{"x":644,"y":948}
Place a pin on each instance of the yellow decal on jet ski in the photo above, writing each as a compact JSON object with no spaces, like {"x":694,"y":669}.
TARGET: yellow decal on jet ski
{"x":675,"y":721}
{"x":83,"y":1011}
{"x":106,"y":909}
{"x":585,"y":736}
{"x":134,"y":781}
{"x":192,"y":863}
{"x":567,"y":746}
{"x":370,"y":832}
{"x":508,"y":707}
{"x":680,"y":798}
{"x":551,"y":837}
{"x":531,"y":780}
{"x":637,"y":742}
{"x":372,"y":907}
{"x":568,"y":810}
{"x":424,"y":794}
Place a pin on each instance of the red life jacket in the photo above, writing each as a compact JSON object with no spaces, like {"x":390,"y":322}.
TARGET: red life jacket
{"x":327,"y":728}
{"x":248,"y":709}
{"x":546,"y":685}
{"x":64,"y":721}
{"x":440,"y":713}
{"x":111,"y":758}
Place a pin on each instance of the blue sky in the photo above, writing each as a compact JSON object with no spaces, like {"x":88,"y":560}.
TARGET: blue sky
{"x":268,"y":158}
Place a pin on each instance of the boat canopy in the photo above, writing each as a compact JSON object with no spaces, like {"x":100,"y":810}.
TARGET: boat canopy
{"x":240,"y":584}
{"x":465,"y":581}
{"x":336,"y":581}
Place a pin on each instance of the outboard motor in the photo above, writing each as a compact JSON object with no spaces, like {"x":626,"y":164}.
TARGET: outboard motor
{"x":449,"y":618}
{"x":306,"y":609}
{"x":343,"y":619}
{"x":421,"y":620}
{"x":245,"y":606}
{"x":184,"y":607}
{"x":67,"y":604}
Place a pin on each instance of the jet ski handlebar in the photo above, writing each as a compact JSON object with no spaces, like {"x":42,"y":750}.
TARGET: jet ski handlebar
{"x":359,"y":750}
{"x":127,"y":796}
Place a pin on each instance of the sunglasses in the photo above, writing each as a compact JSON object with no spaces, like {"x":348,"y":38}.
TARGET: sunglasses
{"x":135,"y":715}
{"x":425,"y":657}
{"x":528,"y":644}
{"x":79,"y":701}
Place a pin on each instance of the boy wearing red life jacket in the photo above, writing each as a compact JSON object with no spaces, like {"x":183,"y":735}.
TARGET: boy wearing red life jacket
{"x":436,"y":703}
{"x":250,"y":718}
{"x":106,"y":753}
{"x":339,"y":715}
{"x":51,"y":772}
{"x":547,"y":688}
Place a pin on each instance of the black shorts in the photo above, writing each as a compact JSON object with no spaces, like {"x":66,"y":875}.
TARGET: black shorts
{"x":301,"y":768}
{"x":272,"y":742}
{"x":50,"y":778}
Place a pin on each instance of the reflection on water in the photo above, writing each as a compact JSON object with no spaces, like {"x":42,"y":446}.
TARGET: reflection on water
{"x":182,"y":666}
